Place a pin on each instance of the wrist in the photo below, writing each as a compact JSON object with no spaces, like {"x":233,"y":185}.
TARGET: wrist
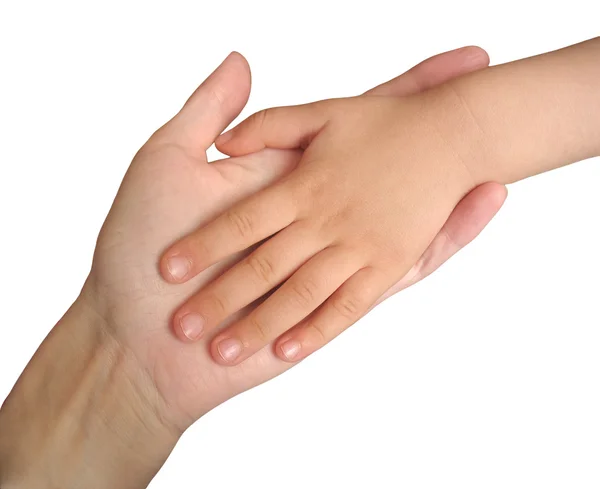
{"x":83,"y":414}
{"x":451,"y":125}
{"x":530,"y":116}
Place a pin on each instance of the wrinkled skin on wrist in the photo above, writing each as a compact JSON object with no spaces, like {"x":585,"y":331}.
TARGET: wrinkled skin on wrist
{"x":83,"y":414}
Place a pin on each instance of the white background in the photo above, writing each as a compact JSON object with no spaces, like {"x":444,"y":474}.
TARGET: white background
{"x":486,"y":375}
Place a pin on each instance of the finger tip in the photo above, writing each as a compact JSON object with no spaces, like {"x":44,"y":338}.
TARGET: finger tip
{"x":175,"y":268}
{"x":243,"y":64}
{"x":223,"y":139}
{"x":226,"y":351}
{"x":494,"y":191}
{"x":502,"y":195}
{"x":485,"y":57}
{"x":178,"y":331}
{"x":476,"y":55}
{"x":237,"y":56}
{"x":164,"y":270}
{"x":188,"y":326}
{"x":289,"y":350}
{"x":235,"y":78}
{"x":214,"y":352}
{"x":228,"y":147}
{"x":469,"y":58}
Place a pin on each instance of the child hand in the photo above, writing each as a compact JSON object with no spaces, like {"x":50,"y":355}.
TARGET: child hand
{"x":378,"y":180}
{"x":170,"y":189}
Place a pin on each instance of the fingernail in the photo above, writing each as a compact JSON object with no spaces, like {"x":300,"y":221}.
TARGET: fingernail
{"x":178,"y":267}
{"x":192,"y":326}
{"x":290,"y":349}
{"x":226,"y":136}
{"x":471,"y":56}
{"x":229,"y":349}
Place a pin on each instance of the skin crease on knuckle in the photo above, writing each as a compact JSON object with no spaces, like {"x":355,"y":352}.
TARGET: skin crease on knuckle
{"x":193,"y":250}
{"x":217,"y":302}
{"x":313,"y":334}
{"x":258,"y":329}
{"x":262,"y":267}
{"x":242,"y":224}
{"x":259,"y":120}
{"x":348,"y":306}
{"x":331,"y":194}
{"x":316,"y":190}
{"x":314,"y":328}
{"x":304,"y":293}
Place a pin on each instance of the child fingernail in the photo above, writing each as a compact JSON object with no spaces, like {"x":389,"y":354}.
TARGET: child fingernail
{"x":229,"y":349}
{"x":192,"y":326}
{"x":290,"y":349}
{"x":226,"y":136}
{"x":178,"y":267}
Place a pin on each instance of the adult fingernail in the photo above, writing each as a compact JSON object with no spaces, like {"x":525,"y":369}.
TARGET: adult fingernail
{"x":178,"y":267}
{"x":230,"y":349}
{"x":472,"y":56}
{"x":290,"y":349}
{"x":192,"y":326}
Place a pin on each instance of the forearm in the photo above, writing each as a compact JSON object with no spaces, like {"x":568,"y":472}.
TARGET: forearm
{"x":82,"y":415}
{"x":532,"y":115}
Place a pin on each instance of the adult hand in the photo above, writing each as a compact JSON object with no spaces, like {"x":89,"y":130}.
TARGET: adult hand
{"x":105,"y":398}
{"x":170,"y":189}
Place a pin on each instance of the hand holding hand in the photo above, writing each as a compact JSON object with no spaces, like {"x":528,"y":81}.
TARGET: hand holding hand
{"x":376,"y":183}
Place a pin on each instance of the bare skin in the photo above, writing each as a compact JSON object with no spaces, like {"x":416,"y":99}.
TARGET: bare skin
{"x":378,"y":179}
{"x":111,"y":390}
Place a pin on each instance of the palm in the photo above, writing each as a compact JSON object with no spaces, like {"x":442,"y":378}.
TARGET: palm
{"x":169,"y":190}
{"x":165,"y":194}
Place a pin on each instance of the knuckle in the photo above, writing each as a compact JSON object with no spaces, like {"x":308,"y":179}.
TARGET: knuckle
{"x":262,"y":267}
{"x":315,"y":329}
{"x":260,"y":329}
{"x":259,"y":119}
{"x":218,"y":303}
{"x":198,"y":246}
{"x":348,"y":306}
{"x":304,"y":293}
{"x":240,"y":222}
{"x":309,"y":186}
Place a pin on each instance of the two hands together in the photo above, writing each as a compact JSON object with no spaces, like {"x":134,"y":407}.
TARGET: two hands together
{"x":114,"y":343}
{"x":170,"y":189}
{"x":321,"y":211}
{"x":382,"y":179}
{"x":358,"y":216}
{"x":231,"y":279}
